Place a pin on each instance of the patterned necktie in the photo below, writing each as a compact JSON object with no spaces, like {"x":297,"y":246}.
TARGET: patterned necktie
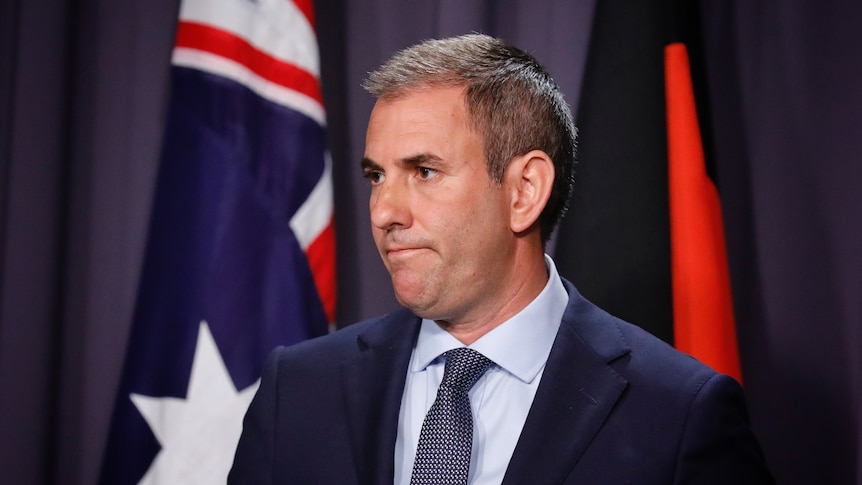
{"x":446,"y":439}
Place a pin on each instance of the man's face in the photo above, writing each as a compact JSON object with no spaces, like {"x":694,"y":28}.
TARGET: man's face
{"x":441,"y":224}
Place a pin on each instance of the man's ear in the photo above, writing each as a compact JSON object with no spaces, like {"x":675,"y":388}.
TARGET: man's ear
{"x":529,"y":179}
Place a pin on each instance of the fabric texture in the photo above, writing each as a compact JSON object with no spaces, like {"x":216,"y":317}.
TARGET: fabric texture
{"x":446,"y":439}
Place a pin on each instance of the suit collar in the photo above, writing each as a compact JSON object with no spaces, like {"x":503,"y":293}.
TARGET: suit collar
{"x":373,"y":382}
{"x":577,"y":393}
{"x":596,"y":328}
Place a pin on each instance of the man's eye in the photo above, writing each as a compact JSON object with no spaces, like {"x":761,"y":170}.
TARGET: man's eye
{"x":373,"y":176}
{"x":426,"y":173}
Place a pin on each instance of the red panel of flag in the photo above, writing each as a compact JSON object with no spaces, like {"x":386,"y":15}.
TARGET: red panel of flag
{"x":702,"y":303}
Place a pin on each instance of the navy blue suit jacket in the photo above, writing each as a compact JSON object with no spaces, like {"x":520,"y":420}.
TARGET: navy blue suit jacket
{"x":615,"y":406}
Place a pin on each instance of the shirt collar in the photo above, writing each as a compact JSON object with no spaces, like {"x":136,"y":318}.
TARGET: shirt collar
{"x":520,"y":345}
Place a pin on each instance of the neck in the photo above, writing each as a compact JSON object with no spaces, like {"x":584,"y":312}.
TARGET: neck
{"x":525,"y":280}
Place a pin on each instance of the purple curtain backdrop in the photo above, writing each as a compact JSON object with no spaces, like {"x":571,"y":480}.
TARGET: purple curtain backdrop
{"x":785,"y":82}
{"x":83,"y":92}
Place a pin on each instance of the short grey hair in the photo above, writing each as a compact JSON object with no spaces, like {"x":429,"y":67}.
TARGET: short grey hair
{"x":511,"y":101}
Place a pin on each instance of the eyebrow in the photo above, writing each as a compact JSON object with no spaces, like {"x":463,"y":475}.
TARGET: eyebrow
{"x":421,"y":159}
{"x":411,"y":161}
{"x":368,"y":164}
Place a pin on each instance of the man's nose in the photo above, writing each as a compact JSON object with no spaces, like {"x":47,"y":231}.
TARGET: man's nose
{"x":390,"y":205}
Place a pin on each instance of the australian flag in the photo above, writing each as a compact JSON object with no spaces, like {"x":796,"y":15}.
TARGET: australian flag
{"x":240,"y":255}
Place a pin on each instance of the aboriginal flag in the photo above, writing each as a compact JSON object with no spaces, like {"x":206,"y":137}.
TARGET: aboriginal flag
{"x":644,"y":236}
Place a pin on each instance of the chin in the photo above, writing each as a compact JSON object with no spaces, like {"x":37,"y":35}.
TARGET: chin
{"x":419,"y":306}
{"x":415,"y":291}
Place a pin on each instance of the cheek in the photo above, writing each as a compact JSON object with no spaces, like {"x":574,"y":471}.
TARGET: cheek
{"x":481,"y":225}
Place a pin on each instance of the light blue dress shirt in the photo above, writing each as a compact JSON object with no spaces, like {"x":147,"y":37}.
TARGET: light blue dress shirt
{"x":500,"y":399}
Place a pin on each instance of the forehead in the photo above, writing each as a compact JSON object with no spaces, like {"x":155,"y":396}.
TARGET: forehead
{"x":431,"y":122}
{"x":422,"y":105}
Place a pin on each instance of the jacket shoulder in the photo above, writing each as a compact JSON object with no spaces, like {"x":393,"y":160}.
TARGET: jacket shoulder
{"x":635,"y":353}
{"x":343,"y":343}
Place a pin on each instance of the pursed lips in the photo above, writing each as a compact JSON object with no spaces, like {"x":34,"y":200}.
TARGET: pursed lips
{"x":402,"y":251}
{"x":398,"y":253}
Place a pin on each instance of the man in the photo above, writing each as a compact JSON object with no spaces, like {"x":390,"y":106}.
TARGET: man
{"x":469,"y":153}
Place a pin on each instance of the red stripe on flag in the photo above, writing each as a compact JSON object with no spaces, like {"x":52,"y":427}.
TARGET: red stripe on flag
{"x":307,"y":9}
{"x":201,"y":37}
{"x":321,"y":260}
{"x":703,"y":309}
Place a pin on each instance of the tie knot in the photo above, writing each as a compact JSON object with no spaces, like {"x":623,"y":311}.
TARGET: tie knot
{"x":463,"y":368}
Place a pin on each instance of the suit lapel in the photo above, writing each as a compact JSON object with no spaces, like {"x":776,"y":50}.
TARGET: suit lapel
{"x":373,"y":383}
{"x":577,"y":393}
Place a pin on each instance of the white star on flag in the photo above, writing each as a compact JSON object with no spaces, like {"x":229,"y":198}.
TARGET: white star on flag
{"x":198,"y":434}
